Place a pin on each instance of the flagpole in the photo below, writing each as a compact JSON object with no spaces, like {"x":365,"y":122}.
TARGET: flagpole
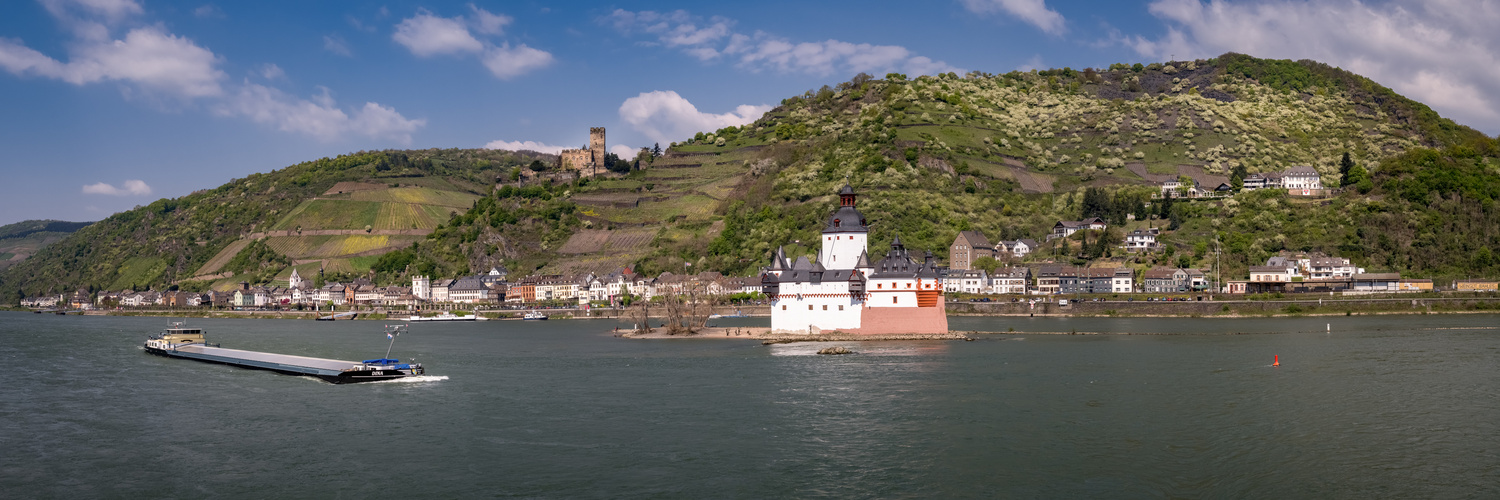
{"x":394,"y":331}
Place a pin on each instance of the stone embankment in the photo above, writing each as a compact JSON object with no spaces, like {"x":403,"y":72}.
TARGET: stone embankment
{"x":1228,"y":308}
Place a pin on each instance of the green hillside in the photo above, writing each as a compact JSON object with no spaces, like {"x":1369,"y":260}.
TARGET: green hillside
{"x":171,"y":240}
{"x":1005,"y":154}
{"x":22,"y":239}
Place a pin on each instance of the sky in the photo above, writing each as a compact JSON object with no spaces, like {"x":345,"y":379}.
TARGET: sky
{"x":110,"y":104}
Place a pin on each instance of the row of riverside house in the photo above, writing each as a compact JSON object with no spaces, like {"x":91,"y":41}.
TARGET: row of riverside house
{"x":488,"y":289}
{"x":1050,"y":279}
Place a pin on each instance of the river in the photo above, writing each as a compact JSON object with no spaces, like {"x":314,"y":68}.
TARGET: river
{"x":1360,"y":407}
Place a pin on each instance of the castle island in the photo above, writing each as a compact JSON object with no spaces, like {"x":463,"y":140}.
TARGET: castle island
{"x":842,"y":291}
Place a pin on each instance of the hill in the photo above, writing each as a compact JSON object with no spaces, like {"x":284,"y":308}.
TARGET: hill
{"x":1005,"y":154}
{"x":1012,"y":154}
{"x":22,"y":239}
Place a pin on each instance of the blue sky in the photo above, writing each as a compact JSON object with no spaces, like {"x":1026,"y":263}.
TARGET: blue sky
{"x":109,"y":104}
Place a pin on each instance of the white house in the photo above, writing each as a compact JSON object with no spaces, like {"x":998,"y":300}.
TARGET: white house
{"x":1141,"y":240}
{"x":1301,"y":178}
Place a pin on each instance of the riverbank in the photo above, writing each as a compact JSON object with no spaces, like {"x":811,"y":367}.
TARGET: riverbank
{"x":767,"y":337}
{"x":1117,"y":308}
{"x":1088,"y":307}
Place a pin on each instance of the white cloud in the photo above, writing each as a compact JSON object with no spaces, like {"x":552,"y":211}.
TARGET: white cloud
{"x":626,"y":153}
{"x":1033,"y":12}
{"x":507,"y":62}
{"x":714,"y":38}
{"x":131,"y":187}
{"x":112,"y":10}
{"x":147,"y":58}
{"x":525,"y":146}
{"x":208,"y":11}
{"x":427,"y":35}
{"x":1034,"y":63}
{"x":1442,"y":53}
{"x":319,"y":117}
{"x":336,"y":45}
{"x":488,"y":23}
{"x":665,"y":116}
{"x":272,"y":72}
{"x":161,"y":64}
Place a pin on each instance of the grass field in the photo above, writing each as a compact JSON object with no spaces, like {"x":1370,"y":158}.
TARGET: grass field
{"x":223,"y":257}
{"x":314,"y":247}
{"x":330,"y":214}
{"x":418,"y":195}
{"x":409,"y":216}
{"x":138,"y":271}
{"x":350,"y":265}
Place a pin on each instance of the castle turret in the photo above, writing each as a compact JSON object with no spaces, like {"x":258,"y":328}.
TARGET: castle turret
{"x":845,"y":234}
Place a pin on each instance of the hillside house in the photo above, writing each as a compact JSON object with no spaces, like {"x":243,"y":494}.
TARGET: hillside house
{"x":1177,"y":189}
{"x":1301,"y":178}
{"x":1020,"y":248}
{"x":967,"y":247}
{"x":1066,"y":228}
{"x":1141,"y":240}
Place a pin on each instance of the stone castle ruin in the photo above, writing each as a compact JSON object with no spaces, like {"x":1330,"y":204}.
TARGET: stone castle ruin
{"x":587,"y":161}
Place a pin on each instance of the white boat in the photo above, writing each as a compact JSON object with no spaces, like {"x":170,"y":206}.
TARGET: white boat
{"x":534,"y":315}
{"x":446,"y":316}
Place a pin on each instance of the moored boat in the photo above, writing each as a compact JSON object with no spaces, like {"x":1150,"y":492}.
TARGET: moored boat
{"x":445,"y":316}
{"x":534,"y":315}
{"x":178,"y":341}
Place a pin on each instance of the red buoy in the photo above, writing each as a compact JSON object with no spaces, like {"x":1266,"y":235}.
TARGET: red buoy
{"x":1277,"y":362}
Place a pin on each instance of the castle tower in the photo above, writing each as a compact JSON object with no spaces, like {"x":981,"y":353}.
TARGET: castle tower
{"x":421,"y":287}
{"x":596,"y":144}
{"x":844,"y":236}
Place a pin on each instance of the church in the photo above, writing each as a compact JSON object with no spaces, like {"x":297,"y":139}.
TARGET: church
{"x":841,"y":290}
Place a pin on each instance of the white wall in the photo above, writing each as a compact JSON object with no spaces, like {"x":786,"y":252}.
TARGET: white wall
{"x":818,"y":306}
{"x":841,"y":250}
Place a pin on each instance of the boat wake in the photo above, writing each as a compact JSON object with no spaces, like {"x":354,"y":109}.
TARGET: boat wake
{"x":408,"y":380}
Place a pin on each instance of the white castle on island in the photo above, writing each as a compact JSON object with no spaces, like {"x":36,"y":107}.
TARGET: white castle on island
{"x":843,"y":292}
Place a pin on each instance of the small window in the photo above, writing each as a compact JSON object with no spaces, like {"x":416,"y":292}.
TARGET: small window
{"x":878,"y":285}
{"x":825,"y":308}
{"x":893,"y":300}
{"x":841,"y":308}
{"x":783,"y":308}
{"x":809,"y":307}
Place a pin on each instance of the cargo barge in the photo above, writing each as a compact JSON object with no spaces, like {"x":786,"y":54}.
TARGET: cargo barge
{"x":178,"y":341}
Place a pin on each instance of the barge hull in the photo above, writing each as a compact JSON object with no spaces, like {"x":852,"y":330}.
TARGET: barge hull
{"x":332,"y":370}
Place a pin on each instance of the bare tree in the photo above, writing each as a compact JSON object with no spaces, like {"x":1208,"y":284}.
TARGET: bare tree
{"x":641,"y":316}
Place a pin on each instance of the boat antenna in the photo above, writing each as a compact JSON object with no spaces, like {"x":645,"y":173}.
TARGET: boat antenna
{"x":393,"y":331}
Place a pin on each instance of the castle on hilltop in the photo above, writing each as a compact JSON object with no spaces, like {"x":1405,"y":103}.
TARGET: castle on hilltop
{"x":588,"y":161}
{"x":841,"y":290}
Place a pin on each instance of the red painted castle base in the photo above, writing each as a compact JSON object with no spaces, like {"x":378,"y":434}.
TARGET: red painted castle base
{"x":894,"y":320}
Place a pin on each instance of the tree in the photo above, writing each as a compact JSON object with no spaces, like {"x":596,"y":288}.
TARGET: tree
{"x":1344,"y":165}
{"x":1237,"y":176}
{"x":987,"y":264}
{"x":537,"y":166}
{"x":656,"y":150}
